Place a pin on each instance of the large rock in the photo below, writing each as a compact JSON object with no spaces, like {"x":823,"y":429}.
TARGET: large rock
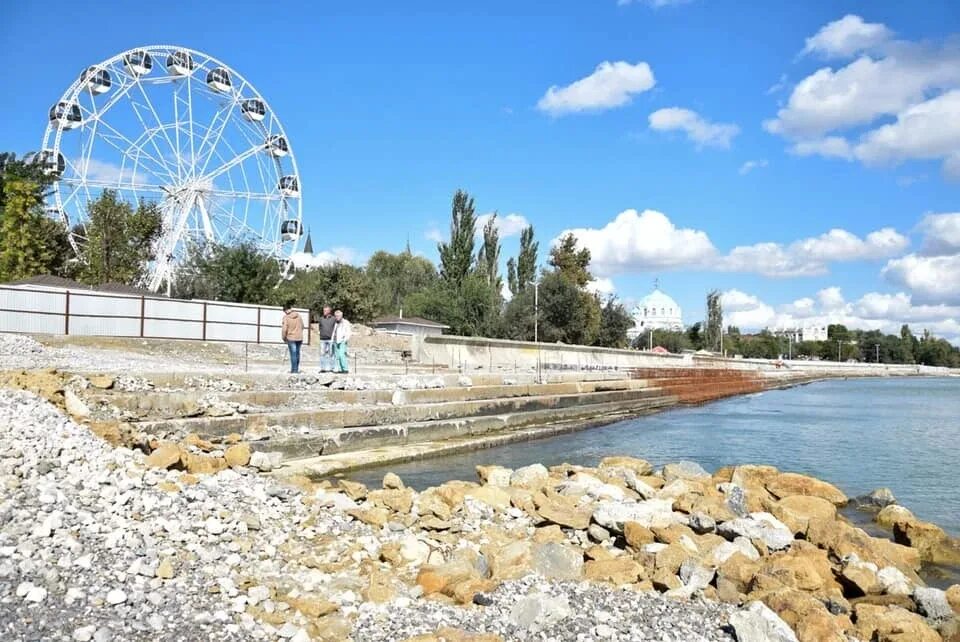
{"x":803,"y":566}
{"x":894,"y":582}
{"x":75,"y":406}
{"x":932,"y":602}
{"x":842,"y":539}
{"x":757,"y":623}
{"x":953,"y":598}
{"x":789,"y":484}
{"x":510,"y":561}
{"x":797,"y":511}
{"x":860,"y":577}
{"x":807,"y":616}
{"x":684,"y":470}
{"x":532,"y":477}
{"x":562,"y":513}
{"x":932,"y":542}
{"x":639,"y":466}
{"x":164,"y":456}
{"x":637,"y":534}
{"x":619,"y":570}
{"x":875,"y":499}
{"x":890,"y":515}
{"x":557,"y":561}
{"x":493,"y":496}
{"x":650,"y":513}
{"x":762,"y":527}
{"x":237,"y":455}
{"x":397,"y":500}
{"x":494,"y":475}
{"x":892,"y":624}
{"x":537,"y":611}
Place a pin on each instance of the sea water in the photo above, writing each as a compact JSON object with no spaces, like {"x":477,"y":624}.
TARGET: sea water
{"x":859,"y":434}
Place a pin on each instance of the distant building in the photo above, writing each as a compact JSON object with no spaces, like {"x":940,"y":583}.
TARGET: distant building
{"x":806,"y":333}
{"x":656,"y":311}
{"x":409,"y":325}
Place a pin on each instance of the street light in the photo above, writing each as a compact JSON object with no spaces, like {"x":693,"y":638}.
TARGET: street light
{"x":536,"y":311}
{"x":877,"y":346}
{"x":838,"y":350}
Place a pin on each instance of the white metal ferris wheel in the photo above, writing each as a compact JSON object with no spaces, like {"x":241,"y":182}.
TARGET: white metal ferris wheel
{"x":178,"y":128}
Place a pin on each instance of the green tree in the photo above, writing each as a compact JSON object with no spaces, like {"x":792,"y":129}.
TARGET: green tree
{"x":24,"y":169}
{"x":394,"y":277}
{"x":567,"y":313}
{"x":714,"y":325}
{"x":572,"y":263}
{"x":907,"y":352}
{"x":235,"y":273}
{"x":614,"y":323}
{"x":466,"y":308}
{"x":25,"y":247}
{"x":524,"y":270}
{"x":695,"y":336}
{"x":119,"y":242}
{"x":456,"y":256}
{"x":339,"y":285}
{"x":512,"y":282}
{"x":672,"y":340}
{"x":488,"y":258}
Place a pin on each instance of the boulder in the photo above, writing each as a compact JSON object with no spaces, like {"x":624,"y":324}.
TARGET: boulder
{"x":376,"y":516}
{"x":202,"y":464}
{"x":890,"y":515}
{"x":237,"y":455}
{"x":166,"y":455}
{"x":266,"y":461}
{"x":789,"y":484}
{"x":892,"y":624}
{"x":762,"y":527}
{"x":875,"y":499}
{"x":551,"y":533}
{"x":430,"y":503}
{"x":101,"y":381}
{"x":640,"y":467}
{"x":392,"y":481}
{"x":510,"y":561}
{"x":684,"y":470}
{"x":563,"y":513}
{"x":637,"y":534}
{"x":931,"y":541}
{"x":619,"y":570}
{"x":649,"y":513}
{"x":807,"y":616}
{"x":494,"y":475}
{"x":757,"y":623}
{"x":738,"y":572}
{"x":932,"y":602}
{"x":532,"y":477}
{"x":557,"y":561}
{"x":537,"y":611}
{"x":397,"y":500}
{"x":796,"y":512}
{"x":493,"y":496}
{"x":859,"y":578}
{"x":804,"y":567}
{"x":701,"y":523}
{"x":354,"y":490}
{"x":953,"y":598}
{"x":735,"y":499}
{"x":894,"y":582}
{"x":75,"y":406}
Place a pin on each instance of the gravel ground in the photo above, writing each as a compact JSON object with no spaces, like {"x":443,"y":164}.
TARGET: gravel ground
{"x":532,"y":609}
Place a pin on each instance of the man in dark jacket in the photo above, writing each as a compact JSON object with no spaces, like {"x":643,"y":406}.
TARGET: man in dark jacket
{"x":326,"y":325}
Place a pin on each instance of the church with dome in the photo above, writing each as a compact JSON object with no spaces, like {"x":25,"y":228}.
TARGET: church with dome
{"x":656,"y":311}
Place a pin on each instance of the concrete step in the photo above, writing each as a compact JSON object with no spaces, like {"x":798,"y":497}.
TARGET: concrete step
{"x":351,"y":416}
{"x":331,"y":441}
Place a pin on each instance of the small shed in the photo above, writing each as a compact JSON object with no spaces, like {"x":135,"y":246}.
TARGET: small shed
{"x":415,"y":326}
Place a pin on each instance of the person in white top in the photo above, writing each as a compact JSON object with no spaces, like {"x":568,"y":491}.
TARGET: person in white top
{"x":341,"y":335}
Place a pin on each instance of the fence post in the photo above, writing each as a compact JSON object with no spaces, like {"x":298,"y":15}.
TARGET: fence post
{"x":143,"y":314}
{"x":66,"y":314}
{"x":204,"y":332}
{"x":258,"y":324}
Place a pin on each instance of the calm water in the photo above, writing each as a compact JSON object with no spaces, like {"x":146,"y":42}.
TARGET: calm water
{"x":858,"y":434}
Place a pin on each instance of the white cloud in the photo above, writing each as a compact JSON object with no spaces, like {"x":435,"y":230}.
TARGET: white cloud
{"x":873,"y":311}
{"x":941,"y":234}
{"x":846,"y":37}
{"x":828,"y":147}
{"x":810,"y":256}
{"x":612,"y":84}
{"x":509,"y":225}
{"x":698,"y":130}
{"x":105,"y":172}
{"x":435,"y":234}
{"x":916,"y":83}
{"x":932,"y":279}
{"x":751,"y":165}
{"x":602,"y":286}
{"x":325,"y":257}
{"x":640,"y":241}
{"x":781,"y":84}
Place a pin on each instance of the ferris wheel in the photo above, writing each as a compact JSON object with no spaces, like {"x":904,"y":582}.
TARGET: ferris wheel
{"x":177,"y":128}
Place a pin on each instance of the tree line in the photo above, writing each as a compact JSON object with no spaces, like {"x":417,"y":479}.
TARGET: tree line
{"x":553,"y":303}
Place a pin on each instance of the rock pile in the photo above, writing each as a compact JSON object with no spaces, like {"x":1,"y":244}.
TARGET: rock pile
{"x":101,"y":542}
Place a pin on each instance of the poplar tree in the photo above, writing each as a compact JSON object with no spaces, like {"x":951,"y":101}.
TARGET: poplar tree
{"x":25,"y":249}
{"x":526,"y":265}
{"x":488,"y":258}
{"x":456,"y":256}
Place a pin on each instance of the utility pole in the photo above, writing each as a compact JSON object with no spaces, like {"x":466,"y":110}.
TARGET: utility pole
{"x":536,"y":311}
{"x":838,"y":350}
{"x":877,"y":346}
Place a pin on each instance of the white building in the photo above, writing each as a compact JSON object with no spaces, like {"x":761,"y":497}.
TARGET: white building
{"x":655,"y":311}
{"x":806,"y":333}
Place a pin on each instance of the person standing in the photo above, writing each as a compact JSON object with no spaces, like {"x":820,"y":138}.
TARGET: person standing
{"x":325,"y":327}
{"x":291,"y":331}
{"x":341,"y":335}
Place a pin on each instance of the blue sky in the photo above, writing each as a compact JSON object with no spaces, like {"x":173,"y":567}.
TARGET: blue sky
{"x":390,"y":108}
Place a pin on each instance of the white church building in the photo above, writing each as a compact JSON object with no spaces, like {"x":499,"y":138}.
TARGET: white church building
{"x":657,"y":311}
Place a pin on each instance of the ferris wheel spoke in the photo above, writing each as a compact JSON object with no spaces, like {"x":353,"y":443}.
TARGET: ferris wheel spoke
{"x":174,"y":149}
{"x":164,"y":169}
{"x":232,"y":163}
{"x":214,"y":142}
{"x":101,"y":184}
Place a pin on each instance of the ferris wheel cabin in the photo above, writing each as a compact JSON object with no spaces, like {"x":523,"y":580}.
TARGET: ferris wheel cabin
{"x":253,"y":109}
{"x":289,"y":186}
{"x":66,"y":115}
{"x":138,"y":63}
{"x":219,"y":79}
{"x":291,"y":230}
{"x":98,"y":80}
{"x":277,"y":145}
{"x":52,"y":165}
{"x":180,"y":63}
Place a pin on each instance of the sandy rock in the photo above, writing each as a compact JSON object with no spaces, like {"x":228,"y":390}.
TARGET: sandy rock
{"x":375,"y":516}
{"x":807,"y":616}
{"x":392,"y":481}
{"x":892,"y":624}
{"x":932,"y":602}
{"x":620,"y":570}
{"x":491,"y":496}
{"x":202,"y":464}
{"x":802,"y":567}
{"x":399,"y":501}
{"x":790,"y":484}
{"x":198,"y":442}
{"x":860,"y":577}
{"x":930,"y":540}
{"x":563,"y":513}
{"x":538,"y":610}
{"x":165,"y":456}
{"x":354,"y":490}
{"x":637,"y":534}
{"x":684,"y":470}
{"x":551,"y":533}
{"x":640,"y":467}
{"x":430,"y":503}
{"x":451,"y":634}
{"x":165,"y":569}
{"x":76,"y":407}
{"x":102,"y":381}
{"x":494,"y":475}
{"x":894,"y":582}
{"x":237,"y":455}
{"x":265,"y":461}
{"x":953,"y":598}
{"x":738,"y":570}
{"x":796,"y":512}
{"x":757,"y":623}
{"x":508,"y":561}
{"x":890,"y":515}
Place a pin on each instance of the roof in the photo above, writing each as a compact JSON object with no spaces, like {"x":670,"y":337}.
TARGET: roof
{"x":51,"y":281}
{"x":392,"y":320}
{"x":658,"y":299}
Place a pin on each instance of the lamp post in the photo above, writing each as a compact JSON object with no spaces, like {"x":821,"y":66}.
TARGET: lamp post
{"x":838,"y":350}
{"x":877,"y":346}
{"x":536,"y":311}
